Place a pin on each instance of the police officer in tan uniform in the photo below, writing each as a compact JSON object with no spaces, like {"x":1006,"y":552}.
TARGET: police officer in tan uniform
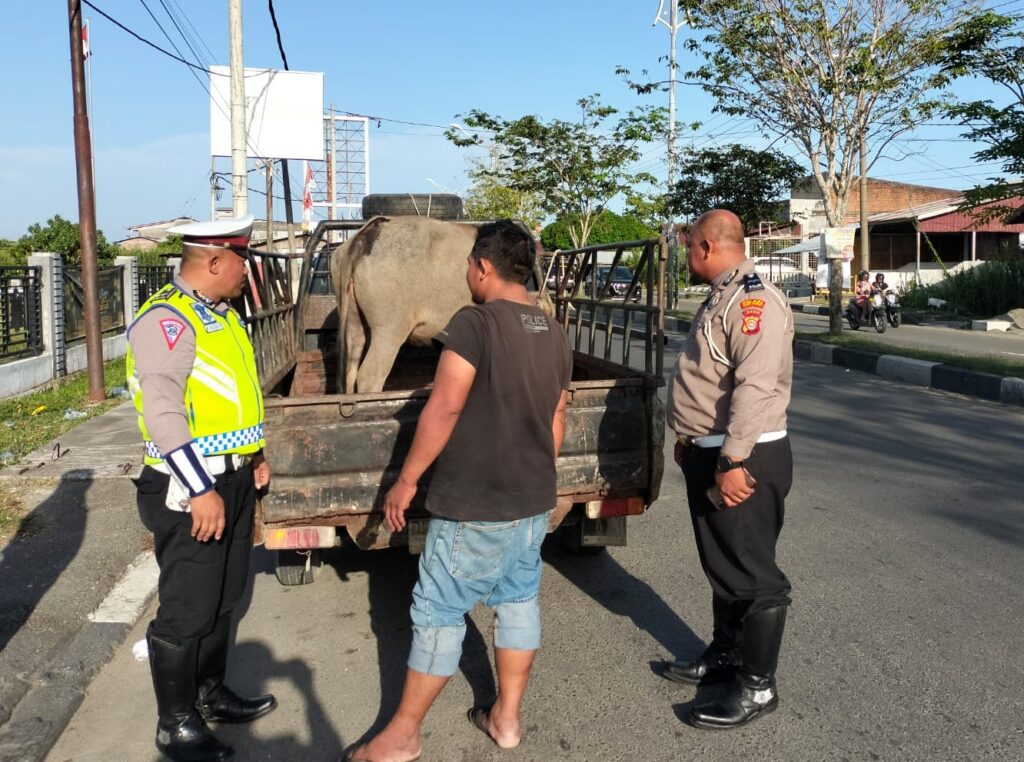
{"x":192,"y":374}
{"x":727,"y":405}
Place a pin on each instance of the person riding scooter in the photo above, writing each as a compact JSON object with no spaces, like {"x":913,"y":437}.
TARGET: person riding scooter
{"x":879,"y":286}
{"x":862,"y":294}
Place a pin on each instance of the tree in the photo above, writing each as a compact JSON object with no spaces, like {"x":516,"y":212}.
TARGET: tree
{"x":1000,"y":128}
{"x":649,"y":208}
{"x":60,"y":236}
{"x":829,"y":75}
{"x":609,"y":228}
{"x":489,"y":199}
{"x":575,"y":168}
{"x":737,"y":178}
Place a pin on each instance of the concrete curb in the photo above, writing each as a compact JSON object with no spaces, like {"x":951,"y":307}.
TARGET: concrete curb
{"x":949,"y":378}
{"x":43,"y":711}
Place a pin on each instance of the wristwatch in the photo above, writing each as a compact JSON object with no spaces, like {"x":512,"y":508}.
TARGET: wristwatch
{"x":724,"y":464}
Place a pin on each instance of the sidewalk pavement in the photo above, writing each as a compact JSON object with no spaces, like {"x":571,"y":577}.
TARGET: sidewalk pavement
{"x":65,"y":600}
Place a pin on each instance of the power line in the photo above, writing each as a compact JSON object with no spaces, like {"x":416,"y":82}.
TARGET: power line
{"x":153,"y":45}
{"x":277,"y":31}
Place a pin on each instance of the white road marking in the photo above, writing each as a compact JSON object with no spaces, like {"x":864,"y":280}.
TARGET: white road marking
{"x":125,"y":603}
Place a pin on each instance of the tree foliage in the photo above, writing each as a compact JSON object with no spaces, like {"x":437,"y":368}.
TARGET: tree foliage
{"x":574,"y":167}
{"x":60,"y":236}
{"x":489,"y":199}
{"x":608,"y":228}
{"x":999,"y":127}
{"x":740,"y":179}
{"x":826,"y":75}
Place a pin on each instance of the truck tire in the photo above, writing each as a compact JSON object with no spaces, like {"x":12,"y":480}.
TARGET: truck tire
{"x":294,"y":567}
{"x":438,"y":206}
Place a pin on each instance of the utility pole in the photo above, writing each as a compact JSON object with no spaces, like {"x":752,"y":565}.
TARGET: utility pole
{"x":865,"y":235}
{"x":673,"y":246}
{"x":270,"y":205}
{"x":239,"y":178}
{"x":86,"y":207}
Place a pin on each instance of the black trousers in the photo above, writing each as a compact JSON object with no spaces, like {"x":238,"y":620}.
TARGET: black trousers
{"x":737,"y":545}
{"x":199,"y":581}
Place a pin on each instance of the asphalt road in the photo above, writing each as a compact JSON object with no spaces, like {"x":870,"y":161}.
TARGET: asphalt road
{"x":904,"y":541}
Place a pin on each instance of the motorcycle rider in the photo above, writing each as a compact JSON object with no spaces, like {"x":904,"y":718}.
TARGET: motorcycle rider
{"x":862,"y":294}
{"x":879,"y":286}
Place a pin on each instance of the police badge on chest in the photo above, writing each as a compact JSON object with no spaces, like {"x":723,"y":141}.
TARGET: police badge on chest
{"x":210,"y":322}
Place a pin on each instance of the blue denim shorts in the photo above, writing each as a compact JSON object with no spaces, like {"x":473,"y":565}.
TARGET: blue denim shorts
{"x":464,"y":563}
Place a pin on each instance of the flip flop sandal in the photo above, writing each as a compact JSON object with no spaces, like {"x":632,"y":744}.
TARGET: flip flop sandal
{"x":479,"y":718}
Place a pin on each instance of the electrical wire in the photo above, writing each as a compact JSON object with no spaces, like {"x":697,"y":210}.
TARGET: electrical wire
{"x":277,"y":31}
{"x":153,"y":45}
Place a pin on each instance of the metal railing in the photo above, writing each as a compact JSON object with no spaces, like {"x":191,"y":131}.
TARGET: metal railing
{"x":581,"y":298}
{"x":110,"y":282}
{"x":270,"y":314}
{"x":152,"y":278}
{"x":21,"y":312}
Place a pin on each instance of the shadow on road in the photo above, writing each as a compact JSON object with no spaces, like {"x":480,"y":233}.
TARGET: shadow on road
{"x":255,"y":666}
{"x":47,"y":541}
{"x":391,"y":575}
{"x":619,"y":592}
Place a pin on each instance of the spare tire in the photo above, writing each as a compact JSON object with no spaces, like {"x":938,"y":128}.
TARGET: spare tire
{"x":439,"y":206}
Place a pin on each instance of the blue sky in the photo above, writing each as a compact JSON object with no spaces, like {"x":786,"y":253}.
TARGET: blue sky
{"x":401,"y":60}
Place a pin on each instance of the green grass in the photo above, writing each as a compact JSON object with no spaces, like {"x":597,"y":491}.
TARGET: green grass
{"x":12,"y":511}
{"x":997,"y":365}
{"x":33,"y":420}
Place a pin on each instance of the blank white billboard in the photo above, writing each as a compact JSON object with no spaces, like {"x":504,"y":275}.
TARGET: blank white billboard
{"x":284,"y":113}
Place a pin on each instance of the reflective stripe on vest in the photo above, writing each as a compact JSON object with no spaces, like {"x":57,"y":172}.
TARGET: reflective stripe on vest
{"x":223,"y":401}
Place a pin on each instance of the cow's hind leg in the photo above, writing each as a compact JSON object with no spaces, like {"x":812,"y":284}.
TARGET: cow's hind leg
{"x":384,"y":345}
{"x":355,"y":343}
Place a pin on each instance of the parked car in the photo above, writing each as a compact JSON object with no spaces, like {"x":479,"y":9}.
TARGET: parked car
{"x":621,"y":278}
{"x":776,"y":267}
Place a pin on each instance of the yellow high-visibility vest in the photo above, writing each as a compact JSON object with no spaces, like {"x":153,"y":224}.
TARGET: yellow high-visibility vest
{"x":223,"y":401}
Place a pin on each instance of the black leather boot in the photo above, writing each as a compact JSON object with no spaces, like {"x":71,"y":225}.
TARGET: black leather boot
{"x":216,"y":702}
{"x":720,"y":659}
{"x":181,"y":733}
{"x":753,"y":693}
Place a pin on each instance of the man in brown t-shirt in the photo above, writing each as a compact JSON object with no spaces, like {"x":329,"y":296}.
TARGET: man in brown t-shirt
{"x":493,"y":423}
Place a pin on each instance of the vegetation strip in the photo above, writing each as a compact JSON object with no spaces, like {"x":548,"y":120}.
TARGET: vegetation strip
{"x":32,"y":420}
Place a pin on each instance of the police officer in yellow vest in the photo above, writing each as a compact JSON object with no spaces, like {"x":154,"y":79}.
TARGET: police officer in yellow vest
{"x":192,"y":374}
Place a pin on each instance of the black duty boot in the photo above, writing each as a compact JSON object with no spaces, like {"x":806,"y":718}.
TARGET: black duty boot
{"x":181,"y":733}
{"x":720,"y":659}
{"x":217,"y":702}
{"x":753,"y":693}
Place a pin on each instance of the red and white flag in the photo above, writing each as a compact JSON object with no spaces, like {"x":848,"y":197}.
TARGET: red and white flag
{"x":308,"y":186}
{"x":86,"y":47}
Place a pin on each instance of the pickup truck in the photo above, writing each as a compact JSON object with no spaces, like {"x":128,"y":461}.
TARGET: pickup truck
{"x":334,"y":456}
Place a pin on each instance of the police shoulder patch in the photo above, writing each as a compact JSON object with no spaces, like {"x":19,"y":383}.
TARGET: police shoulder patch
{"x":171,"y":328}
{"x":751,"y":314}
{"x":752,"y":282}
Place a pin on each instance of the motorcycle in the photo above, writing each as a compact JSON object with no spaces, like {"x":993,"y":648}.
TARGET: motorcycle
{"x":876,"y":313}
{"x":892,"y":308}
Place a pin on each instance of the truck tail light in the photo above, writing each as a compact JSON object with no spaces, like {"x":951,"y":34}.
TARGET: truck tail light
{"x":615,"y":506}
{"x":300,"y":538}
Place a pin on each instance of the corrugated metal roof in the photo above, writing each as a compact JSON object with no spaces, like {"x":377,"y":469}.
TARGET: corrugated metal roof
{"x":920,"y":212}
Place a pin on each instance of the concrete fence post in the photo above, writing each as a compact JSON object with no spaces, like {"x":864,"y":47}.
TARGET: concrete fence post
{"x":52,"y":308}
{"x":175,"y":262}
{"x":130,"y":286}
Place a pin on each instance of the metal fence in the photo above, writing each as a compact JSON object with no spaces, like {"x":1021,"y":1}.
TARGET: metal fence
{"x":21,"y":315}
{"x":152,"y":278}
{"x":111,"y":302}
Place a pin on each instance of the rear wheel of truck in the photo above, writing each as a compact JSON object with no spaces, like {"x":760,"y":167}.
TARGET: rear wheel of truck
{"x":296,"y":567}
{"x":438,"y":206}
